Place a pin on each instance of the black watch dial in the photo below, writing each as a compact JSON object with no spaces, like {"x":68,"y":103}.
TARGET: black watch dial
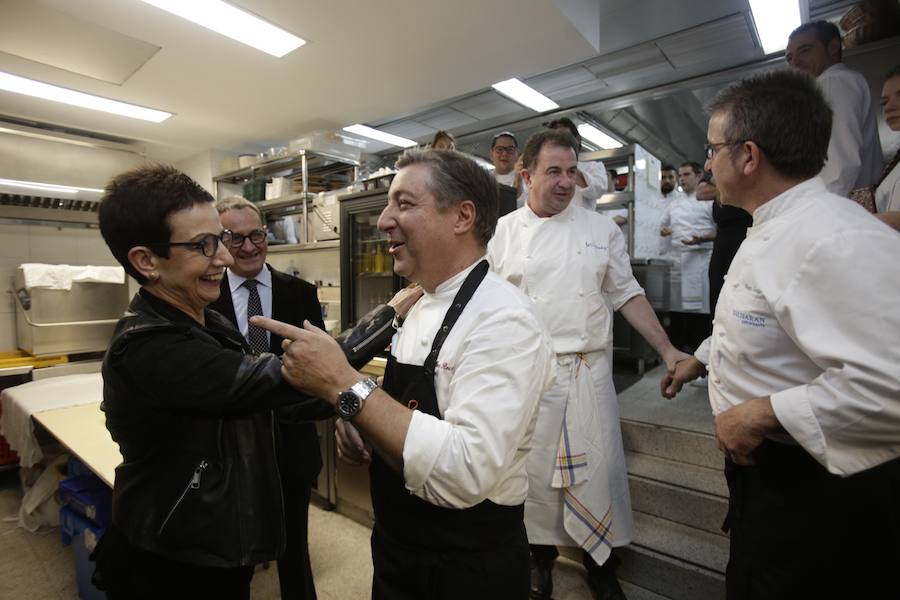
{"x":348,"y":404}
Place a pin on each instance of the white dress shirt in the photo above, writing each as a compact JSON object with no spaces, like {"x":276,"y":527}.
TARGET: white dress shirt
{"x":240,"y":296}
{"x":491,"y":373}
{"x":808,"y":316}
{"x":568,"y":264}
{"x":507,"y":178}
{"x":854,"y":152}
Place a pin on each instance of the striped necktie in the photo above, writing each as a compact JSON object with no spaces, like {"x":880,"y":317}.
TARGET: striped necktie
{"x":256,"y":337}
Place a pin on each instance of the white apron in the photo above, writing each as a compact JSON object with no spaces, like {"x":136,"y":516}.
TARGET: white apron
{"x":690,"y":280}
{"x":580,"y":500}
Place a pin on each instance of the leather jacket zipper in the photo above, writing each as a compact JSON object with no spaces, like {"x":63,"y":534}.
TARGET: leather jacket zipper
{"x":193,"y":484}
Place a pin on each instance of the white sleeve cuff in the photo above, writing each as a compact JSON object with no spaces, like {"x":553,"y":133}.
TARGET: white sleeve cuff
{"x":424,"y":440}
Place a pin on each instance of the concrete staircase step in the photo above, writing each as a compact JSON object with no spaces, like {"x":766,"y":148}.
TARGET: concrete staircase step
{"x":679,"y":445}
{"x":693,"y":477}
{"x":678,"y":504}
{"x":675,"y":560}
{"x":635,"y":592}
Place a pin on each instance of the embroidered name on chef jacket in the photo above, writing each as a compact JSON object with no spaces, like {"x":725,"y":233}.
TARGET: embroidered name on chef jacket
{"x":748,"y":319}
{"x":597,"y":246}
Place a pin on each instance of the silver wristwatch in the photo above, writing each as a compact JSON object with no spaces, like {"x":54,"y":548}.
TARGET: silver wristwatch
{"x":350,"y":402}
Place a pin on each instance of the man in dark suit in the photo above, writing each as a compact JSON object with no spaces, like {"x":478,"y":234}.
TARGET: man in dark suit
{"x":251,"y":286}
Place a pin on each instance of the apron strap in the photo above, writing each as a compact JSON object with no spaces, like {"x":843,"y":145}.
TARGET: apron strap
{"x":473,"y":280}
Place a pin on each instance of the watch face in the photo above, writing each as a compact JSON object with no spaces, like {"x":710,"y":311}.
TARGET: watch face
{"x":348,"y":404}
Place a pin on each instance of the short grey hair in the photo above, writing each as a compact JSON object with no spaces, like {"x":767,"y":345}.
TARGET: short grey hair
{"x":235,"y":203}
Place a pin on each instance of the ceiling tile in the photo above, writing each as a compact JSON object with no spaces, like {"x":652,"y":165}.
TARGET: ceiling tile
{"x":486,"y":105}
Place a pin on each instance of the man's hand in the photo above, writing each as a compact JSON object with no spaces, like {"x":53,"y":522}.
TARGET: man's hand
{"x":351,"y":447}
{"x":685,"y":370}
{"x":405,"y":299}
{"x":693,"y":241}
{"x":312,"y":362}
{"x":742,"y":428}
{"x":665,"y":231}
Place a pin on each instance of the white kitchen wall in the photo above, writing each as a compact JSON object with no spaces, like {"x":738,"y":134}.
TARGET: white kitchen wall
{"x":31,"y":159}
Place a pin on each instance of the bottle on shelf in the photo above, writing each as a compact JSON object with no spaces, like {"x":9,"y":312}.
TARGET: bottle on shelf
{"x":379,"y":258}
{"x":293,"y":270}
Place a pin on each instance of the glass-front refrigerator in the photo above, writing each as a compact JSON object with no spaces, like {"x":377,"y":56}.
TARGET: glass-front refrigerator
{"x":367,"y":269}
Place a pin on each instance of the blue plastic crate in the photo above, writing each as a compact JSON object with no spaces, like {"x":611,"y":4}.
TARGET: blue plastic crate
{"x":88,"y":496}
{"x":77,"y":468}
{"x":83,"y":535}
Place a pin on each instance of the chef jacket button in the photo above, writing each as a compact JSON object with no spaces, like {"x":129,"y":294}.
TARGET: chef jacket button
{"x":583,"y":337}
{"x":424,"y":341}
{"x":717,"y":381}
{"x":721,"y":334}
{"x":581,"y":292}
{"x":579,"y":252}
{"x":528,"y":257}
{"x":737,"y":285}
{"x":534,"y":298}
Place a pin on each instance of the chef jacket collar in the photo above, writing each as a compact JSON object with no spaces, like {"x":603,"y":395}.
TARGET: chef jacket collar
{"x":450,"y":286}
{"x":530,"y":216}
{"x":788,"y":201}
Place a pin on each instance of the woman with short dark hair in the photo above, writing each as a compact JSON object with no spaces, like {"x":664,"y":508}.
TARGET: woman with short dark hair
{"x":197,"y":498}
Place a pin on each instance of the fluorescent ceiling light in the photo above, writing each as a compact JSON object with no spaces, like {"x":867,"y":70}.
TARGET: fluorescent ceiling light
{"x":29,"y":87}
{"x":48,"y":187}
{"x":233,"y":22}
{"x":597,"y":137}
{"x":517,"y":91}
{"x":775,"y":20}
{"x":387,"y":138}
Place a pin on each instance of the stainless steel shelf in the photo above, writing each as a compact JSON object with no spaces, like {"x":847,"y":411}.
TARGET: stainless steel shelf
{"x":316,"y":162}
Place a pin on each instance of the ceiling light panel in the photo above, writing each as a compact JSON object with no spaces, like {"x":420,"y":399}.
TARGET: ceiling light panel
{"x":233,"y":22}
{"x":525,"y":95}
{"x":381,"y":136}
{"x":595,"y":136}
{"x":47,"y":187}
{"x":775,"y":20}
{"x":38,"y":89}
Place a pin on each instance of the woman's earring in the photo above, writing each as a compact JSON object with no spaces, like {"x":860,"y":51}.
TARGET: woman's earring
{"x":154,"y":275}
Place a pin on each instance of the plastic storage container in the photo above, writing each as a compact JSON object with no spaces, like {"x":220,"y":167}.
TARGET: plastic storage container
{"x":88,"y":496}
{"x":82,"y":534}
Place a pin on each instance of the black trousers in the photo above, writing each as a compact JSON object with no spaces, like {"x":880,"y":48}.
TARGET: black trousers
{"x":294,"y":570}
{"x":798,"y":531}
{"x":404,"y":573}
{"x":688,"y":330}
{"x":126,"y":572}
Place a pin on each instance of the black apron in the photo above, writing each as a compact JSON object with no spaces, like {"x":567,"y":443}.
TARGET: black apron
{"x":423,"y":551}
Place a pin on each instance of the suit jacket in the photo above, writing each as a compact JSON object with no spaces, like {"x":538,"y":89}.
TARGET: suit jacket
{"x":293,"y":301}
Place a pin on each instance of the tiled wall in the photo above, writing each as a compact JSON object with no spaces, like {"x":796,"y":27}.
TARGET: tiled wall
{"x":40,"y":243}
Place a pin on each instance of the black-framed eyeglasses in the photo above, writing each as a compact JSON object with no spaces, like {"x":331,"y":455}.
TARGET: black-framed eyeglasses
{"x":505,"y":149}
{"x":207,"y":245}
{"x":256,"y":237}
{"x":711,"y":149}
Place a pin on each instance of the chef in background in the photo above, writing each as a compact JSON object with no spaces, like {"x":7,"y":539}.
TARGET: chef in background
{"x":573,"y":265}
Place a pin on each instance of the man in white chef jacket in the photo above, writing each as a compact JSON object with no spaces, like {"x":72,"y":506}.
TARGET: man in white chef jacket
{"x":854,"y":152}
{"x":804,"y":359}
{"x":689,"y":224}
{"x":572,"y":263}
{"x":451,"y":424}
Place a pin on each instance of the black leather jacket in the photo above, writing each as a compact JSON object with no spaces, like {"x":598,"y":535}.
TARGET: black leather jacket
{"x":193,"y":417}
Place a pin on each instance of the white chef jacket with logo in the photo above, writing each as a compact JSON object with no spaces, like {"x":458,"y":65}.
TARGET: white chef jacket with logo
{"x":491,"y":372}
{"x":570,"y":264}
{"x":809,"y":316}
{"x":854,"y":152}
